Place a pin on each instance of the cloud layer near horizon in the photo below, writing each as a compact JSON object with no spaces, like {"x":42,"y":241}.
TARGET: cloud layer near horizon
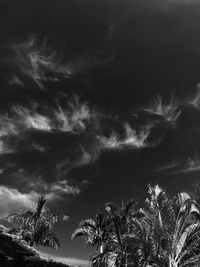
{"x":11,"y":200}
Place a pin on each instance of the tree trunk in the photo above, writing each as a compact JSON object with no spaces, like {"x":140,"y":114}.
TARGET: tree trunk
{"x":172,"y":262}
{"x":126,"y":262}
{"x":101,"y":249}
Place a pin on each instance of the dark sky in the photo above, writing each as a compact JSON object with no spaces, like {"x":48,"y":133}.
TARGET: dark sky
{"x":98,"y":99}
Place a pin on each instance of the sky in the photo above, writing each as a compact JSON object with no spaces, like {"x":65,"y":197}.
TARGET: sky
{"x":98,"y":99}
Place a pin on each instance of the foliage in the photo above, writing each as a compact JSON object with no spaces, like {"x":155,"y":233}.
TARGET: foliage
{"x":165,"y":232}
{"x":93,"y":231}
{"x":14,"y":252}
{"x":36,"y":226}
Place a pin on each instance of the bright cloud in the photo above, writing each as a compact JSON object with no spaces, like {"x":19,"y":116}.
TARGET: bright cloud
{"x":54,"y":190}
{"x":132,"y":138}
{"x":48,"y":141}
{"x":38,"y":62}
{"x":195,"y":99}
{"x":73,"y":118}
{"x":11,"y":200}
{"x":61,"y":188}
{"x":169,"y":111}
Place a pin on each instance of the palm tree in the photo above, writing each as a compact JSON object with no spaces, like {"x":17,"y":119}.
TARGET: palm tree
{"x":165,"y":234}
{"x":109,"y":234}
{"x":95,"y":232}
{"x":36,"y":226}
{"x":120,"y":232}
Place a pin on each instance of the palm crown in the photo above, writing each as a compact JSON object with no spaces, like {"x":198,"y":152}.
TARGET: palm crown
{"x":165,"y":232}
{"x":36,"y":226}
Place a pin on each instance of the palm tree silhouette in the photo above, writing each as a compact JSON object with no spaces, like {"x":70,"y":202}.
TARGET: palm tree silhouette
{"x":120,"y":232}
{"x":109,"y":234}
{"x":95,"y":233}
{"x":164,"y":232}
{"x":36,"y":227}
{"x":166,"y":235}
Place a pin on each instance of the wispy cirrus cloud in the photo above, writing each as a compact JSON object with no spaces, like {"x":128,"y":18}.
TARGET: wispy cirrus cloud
{"x":74,"y":117}
{"x":85,"y":157}
{"x":194,"y":100}
{"x":48,"y":143}
{"x":181,"y":166}
{"x":191,"y":164}
{"x":53,"y":190}
{"x":41,"y":146}
{"x":38,"y":62}
{"x":132,"y":138}
{"x":45,"y":144}
{"x":168,"y":111}
{"x":168,"y":167}
{"x":51,"y":142}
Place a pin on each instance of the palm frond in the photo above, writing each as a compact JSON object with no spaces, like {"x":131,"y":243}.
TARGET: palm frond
{"x":79,"y":232}
{"x":40,"y":206}
{"x":51,"y":240}
{"x":88,"y":223}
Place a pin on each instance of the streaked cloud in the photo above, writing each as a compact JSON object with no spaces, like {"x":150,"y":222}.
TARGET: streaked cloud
{"x":54,"y":190}
{"x":47,"y":144}
{"x":168,"y":167}
{"x":191,"y":164}
{"x":51,"y":142}
{"x":40,"y":151}
{"x":41,"y":145}
{"x":194,"y":100}
{"x":71,"y":118}
{"x":86,"y":158}
{"x":132,"y":138}
{"x":75,"y":117}
{"x":38,"y":62}
{"x":13,"y":79}
{"x":64,"y":187}
{"x":181,"y":166}
{"x":169,"y":110}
